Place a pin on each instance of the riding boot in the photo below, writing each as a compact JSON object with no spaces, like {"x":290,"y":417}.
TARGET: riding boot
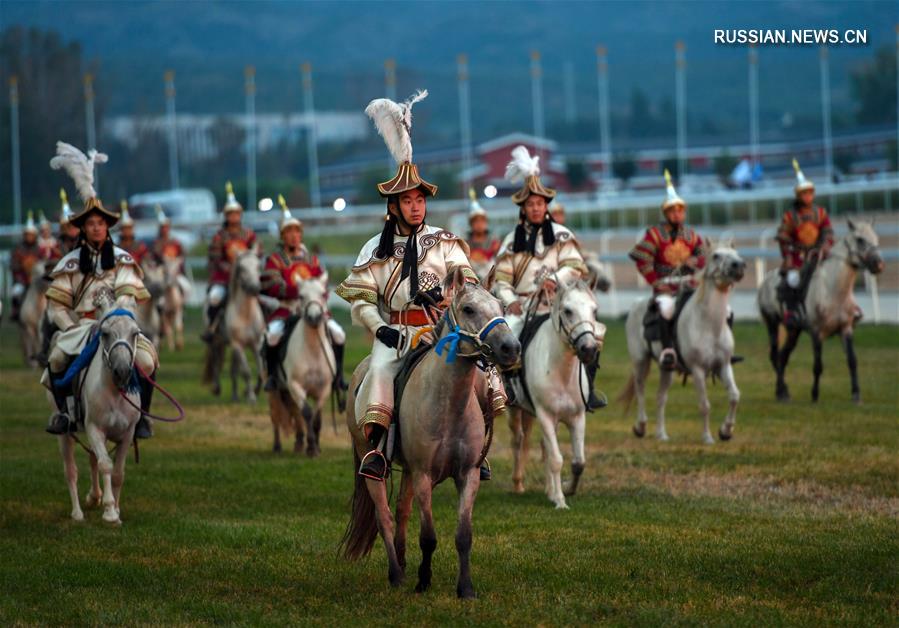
{"x":668,"y":357}
{"x":60,"y":423}
{"x":594,"y":402}
{"x":734,"y":359}
{"x":271,"y":367}
{"x":14,"y":306}
{"x":144,"y":428}
{"x":47,"y":331}
{"x":339,"y":385}
{"x":212,"y":315}
{"x":374,"y":464}
{"x":791,"y":299}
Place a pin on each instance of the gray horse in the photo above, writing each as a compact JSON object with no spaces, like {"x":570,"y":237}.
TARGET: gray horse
{"x":442,"y":431}
{"x":829,"y":304}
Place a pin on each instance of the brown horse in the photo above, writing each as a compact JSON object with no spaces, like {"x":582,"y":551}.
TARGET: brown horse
{"x":442,"y":435}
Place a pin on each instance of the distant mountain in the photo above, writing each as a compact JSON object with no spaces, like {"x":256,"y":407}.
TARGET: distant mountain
{"x":209,"y":43}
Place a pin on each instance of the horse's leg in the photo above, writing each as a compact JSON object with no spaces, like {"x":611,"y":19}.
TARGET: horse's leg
{"x":97,"y":442}
{"x":818,"y":367}
{"x":246,"y":373}
{"x":852,"y":362}
{"x":403,"y":511}
{"x":773,"y":325}
{"x":704,"y":407}
{"x":552,"y":459}
{"x":234,"y":367}
{"x":95,"y":495}
{"x":783,"y":357}
{"x":317,"y":430}
{"x":641,"y":370}
{"x":578,"y":459}
{"x":70,"y":468}
{"x":515,"y":426}
{"x":468,"y":490}
{"x":427,"y":539}
{"x":665,"y":379}
{"x":257,"y":362}
{"x":726,"y":431}
{"x":378,"y":493}
{"x":179,"y":327}
{"x":118,"y":476}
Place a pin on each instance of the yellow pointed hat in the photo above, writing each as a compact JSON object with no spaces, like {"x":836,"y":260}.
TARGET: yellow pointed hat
{"x":287,"y":219}
{"x":671,"y":197}
{"x":802,"y":183}
{"x":231,"y":204}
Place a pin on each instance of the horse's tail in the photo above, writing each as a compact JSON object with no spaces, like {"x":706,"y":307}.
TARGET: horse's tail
{"x":626,"y":396}
{"x":215,"y":354}
{"x":362,"y":529}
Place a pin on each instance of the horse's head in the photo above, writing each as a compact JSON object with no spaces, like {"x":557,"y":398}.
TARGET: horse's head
{"x":39,"y":277}
{"x":597,"y":274}
{"x":313,"y":301}
{"x":724,"y":266}
{"x":154,"y":277}
{"x":245,"y":273}
{"x":573,"y":316}
{"x":172,"y":269}
{"x":862,"y":242}
{"x":479,"y":316}
{"x":118,"y":343}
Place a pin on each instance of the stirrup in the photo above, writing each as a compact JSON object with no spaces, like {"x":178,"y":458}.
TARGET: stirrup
{"x":668,"y":359}
{"x":371,"y":474}
{"x":486,"y":471}
{"x":56,"y":426}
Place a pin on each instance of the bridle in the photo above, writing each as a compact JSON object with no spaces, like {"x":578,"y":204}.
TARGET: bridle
{"x":120,"y":342}
{"x":450,"y":342}
{"x":575,"y":332}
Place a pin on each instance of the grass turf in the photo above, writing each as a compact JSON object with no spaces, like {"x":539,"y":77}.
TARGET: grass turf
{"x":792,"y":522}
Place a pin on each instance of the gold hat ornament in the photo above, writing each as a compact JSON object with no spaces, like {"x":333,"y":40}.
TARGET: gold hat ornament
{"x":231,"y":204}
{"x":126,"y":220}
{"x":287,"y":219}
{"x":65,"y":214}
{"x":30,"y":227}
{"x":802,"y":183}
{"x":394,"y":123}
{"x":671,"y":197}
{"x":474,"y":207}
{"x":526,"y":168}
{"x":81,"y":168}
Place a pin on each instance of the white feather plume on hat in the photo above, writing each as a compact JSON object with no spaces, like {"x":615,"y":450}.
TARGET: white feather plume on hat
{"x":394,"y":123}
{"x":78,"y":166}
{"x":522,"y":165}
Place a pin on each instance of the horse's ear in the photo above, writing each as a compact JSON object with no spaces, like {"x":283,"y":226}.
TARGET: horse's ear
{"x":851,"y":224}
{"x":453,"y":281}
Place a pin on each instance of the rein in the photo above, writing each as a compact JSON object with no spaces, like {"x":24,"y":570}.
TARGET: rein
{"x":165,"y":394}
{"x":451,"y":341}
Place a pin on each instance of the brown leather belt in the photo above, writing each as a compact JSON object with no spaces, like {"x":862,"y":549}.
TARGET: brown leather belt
{"x":414,"y":318}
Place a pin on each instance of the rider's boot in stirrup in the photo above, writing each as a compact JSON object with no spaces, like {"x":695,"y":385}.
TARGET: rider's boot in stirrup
{"x":60,"y":422}
{"x":374,"y":464}
{"x":271,"y":366}
{"x":339,"y":385}
{"x":594,"y":402}
{"x":144,"y":429}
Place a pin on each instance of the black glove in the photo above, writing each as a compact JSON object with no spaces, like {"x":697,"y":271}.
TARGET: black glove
{"x":428,"y":297}
{"x":388,"y":336}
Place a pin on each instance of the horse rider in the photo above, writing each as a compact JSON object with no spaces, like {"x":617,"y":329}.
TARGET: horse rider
{"x":668,"y":257}
{"x":285,"y":271}
{"x":127,"y":242}
{"x":226,"y":245}
{"x":395,"y":275}
{"x":23,"y":259}
{"x":95,"y":269}
{"x":68,"y":233}
{"x":165,"y":246}
{"x":482,"y":246}
{"x":557,"y":211}
{"x":537,"y":252}
{"x":805,"y":236}
{"x":46,"y":241}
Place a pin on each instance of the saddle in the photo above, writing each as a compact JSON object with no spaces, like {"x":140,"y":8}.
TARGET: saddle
{"x":289,"y":324}
{"x":513,"y":378}
{"x":652,"y":322}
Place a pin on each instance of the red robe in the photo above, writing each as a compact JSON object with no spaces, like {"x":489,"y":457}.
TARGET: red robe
{"x":282,"y":276}
{"x":483,"y":251}
{"x":224,"y":249}
{"x":136,"y":248}
{"x":802,"y":232}
{"x":23,"y":259}
{"x":661,"y":252}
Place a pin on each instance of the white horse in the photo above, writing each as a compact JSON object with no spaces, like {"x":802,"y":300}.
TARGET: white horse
{"x":240,"y":329}
{"x":32,"y":311}
{"x":107,"y":416}
{"x":148,"y":311}
{"x":557,"y":387}
{"x":705,"y":342}
{"x":309,"y":368}
{"x":176,"y":289}
{"x":829,"y":304}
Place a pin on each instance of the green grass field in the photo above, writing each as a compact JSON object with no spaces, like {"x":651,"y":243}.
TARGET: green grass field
{"x":792,"y":522}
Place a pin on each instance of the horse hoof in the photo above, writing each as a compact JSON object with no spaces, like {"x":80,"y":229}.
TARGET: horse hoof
{"x":639,"y":430}
{"x":707,"y":439}
{"x":857,"y":399}
{"x":466,"y":593}
{"x":112,"y":518}
{"x":783,"y":397}
{"x":421,"y":587}
{"x":561,"y":505}
{"x":395,"y":577}
{"x":663,"y":437}
{"x":518,"y":488}
{"x":216,"y":390}
{"x":77,"y":515}
{"x":91,"y":500}
{"x":724,"y":436}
